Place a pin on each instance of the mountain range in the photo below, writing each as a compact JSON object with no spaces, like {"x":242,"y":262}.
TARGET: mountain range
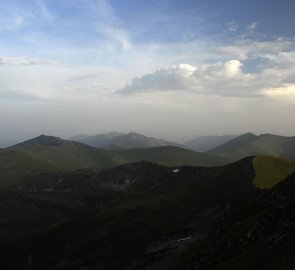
{"x":67,"y":205}
{"x":52,"y":153}
{"x":249,"y":145}
{"x":149,"y":216}
{"x":117,"y":140}
{"x":206,"y":143}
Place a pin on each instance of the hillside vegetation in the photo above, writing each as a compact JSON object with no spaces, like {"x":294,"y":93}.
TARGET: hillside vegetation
{"x":270,"y":170}
{"x":148,"y":216}
{"x":53,"y":153}
{"x":170,"y":155}
{"x":252,"y":145}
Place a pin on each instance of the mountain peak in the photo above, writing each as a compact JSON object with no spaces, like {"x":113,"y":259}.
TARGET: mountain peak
{"x":44,"y":140}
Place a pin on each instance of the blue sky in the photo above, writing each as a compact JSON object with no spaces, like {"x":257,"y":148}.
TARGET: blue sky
{"x":156,"y":67}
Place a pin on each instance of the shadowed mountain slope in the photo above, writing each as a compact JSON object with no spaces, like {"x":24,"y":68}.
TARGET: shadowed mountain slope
{"x":53,"y":153}
{"x":234,"y":143}
{"x":206,"y":143}
{"x":148,"y":216}
{"x":265,"y":144}
{"x":171,"y":155}
{"x":63,"y":154}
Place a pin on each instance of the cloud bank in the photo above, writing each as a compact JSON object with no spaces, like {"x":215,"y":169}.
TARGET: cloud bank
{"x":258,"y":67}
{"x":223,"y":79}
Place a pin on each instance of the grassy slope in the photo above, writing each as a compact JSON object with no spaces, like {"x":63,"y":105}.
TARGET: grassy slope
{"x":25,"y":158}
{"x":266,"y":144}
{"x":234,"y":143}
{"x":14,"y":164}
{"x":69,"y":155}
{"x":232,"y":224}
{"x":51,"y":153}
{"x":169,"y":155}
{"x":270,"y":170}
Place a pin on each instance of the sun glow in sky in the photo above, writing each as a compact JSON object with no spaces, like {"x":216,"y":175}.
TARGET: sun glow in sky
{"x":165,"y":68}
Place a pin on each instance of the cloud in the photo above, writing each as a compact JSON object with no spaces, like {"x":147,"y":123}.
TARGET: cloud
{"x":270,"y":71}
{"x":107,"y":24}
{"x":83,"y":77}
{"x":17,"y":94}
{"x":252,"y":26}
{"x":232,"y":26}
{"x":44,"y":11}
{"x":24,"y":61}
{"x":223,"y":79}
{"x":21,"y":15}
{"x":285,"y":93}
{"x":244,"y":49}
{"x":12,"y":21}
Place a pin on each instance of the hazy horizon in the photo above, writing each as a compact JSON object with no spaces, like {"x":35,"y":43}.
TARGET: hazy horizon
{"x":10,"y":142}
{"x":168,"y":69}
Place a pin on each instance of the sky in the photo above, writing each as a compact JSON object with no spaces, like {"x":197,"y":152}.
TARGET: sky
{"x":164,"y":68}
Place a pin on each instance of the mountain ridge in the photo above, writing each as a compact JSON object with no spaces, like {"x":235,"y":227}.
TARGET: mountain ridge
{"x":206,"y":143}
{"x":264,"y":144}
{"x":124,"y":141}
{"x":59,"y":154}
{"x":149,"y":216}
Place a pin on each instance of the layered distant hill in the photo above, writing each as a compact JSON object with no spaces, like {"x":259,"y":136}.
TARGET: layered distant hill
{"x":63,"y":154}
{"x":206,"y":143}
{"x":52,"y":153}
{"x":250,"y":145}
{"x":117,"y":140}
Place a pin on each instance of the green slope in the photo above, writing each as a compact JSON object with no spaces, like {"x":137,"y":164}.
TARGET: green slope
{"x":65,"y":155}
{"x":195,"y":218}
{"x":52,"y":153}
{"x":270,"y":170}
{"x":14,"y":164}
{"x":234,"y":143}
{"x":265,"y":144}
{"x":47,"y":153}
{"x":170,"y":155}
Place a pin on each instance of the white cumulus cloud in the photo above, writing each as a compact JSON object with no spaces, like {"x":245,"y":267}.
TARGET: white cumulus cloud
{"x":224,"y":79}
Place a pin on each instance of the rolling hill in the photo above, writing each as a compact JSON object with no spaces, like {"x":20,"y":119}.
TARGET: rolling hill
{"x":234,"y":143}
{"x":63,"y":154}
{"x":250,"y":145}
{"x":14,"y":164}
{"x":170,"y":155}
{"x":206,"y":143}
{"x":149,"y":216}
{"x":52,"y":153}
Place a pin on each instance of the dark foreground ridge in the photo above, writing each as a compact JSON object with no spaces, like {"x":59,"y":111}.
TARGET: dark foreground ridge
{"x":148,"y":216}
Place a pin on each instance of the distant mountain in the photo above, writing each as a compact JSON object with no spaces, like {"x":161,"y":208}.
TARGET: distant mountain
{"x":41,"y":140}
{"x":171,"y":156}
{"x":52,"y":153}
{"x":234,"y":143}
{"x":63,"y":154}
{"x":116,"y":140}
{"x":251,"y":145}
{"x":206,"y":143}
{"x":148,"y":216}
{"x":79,"y":137}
